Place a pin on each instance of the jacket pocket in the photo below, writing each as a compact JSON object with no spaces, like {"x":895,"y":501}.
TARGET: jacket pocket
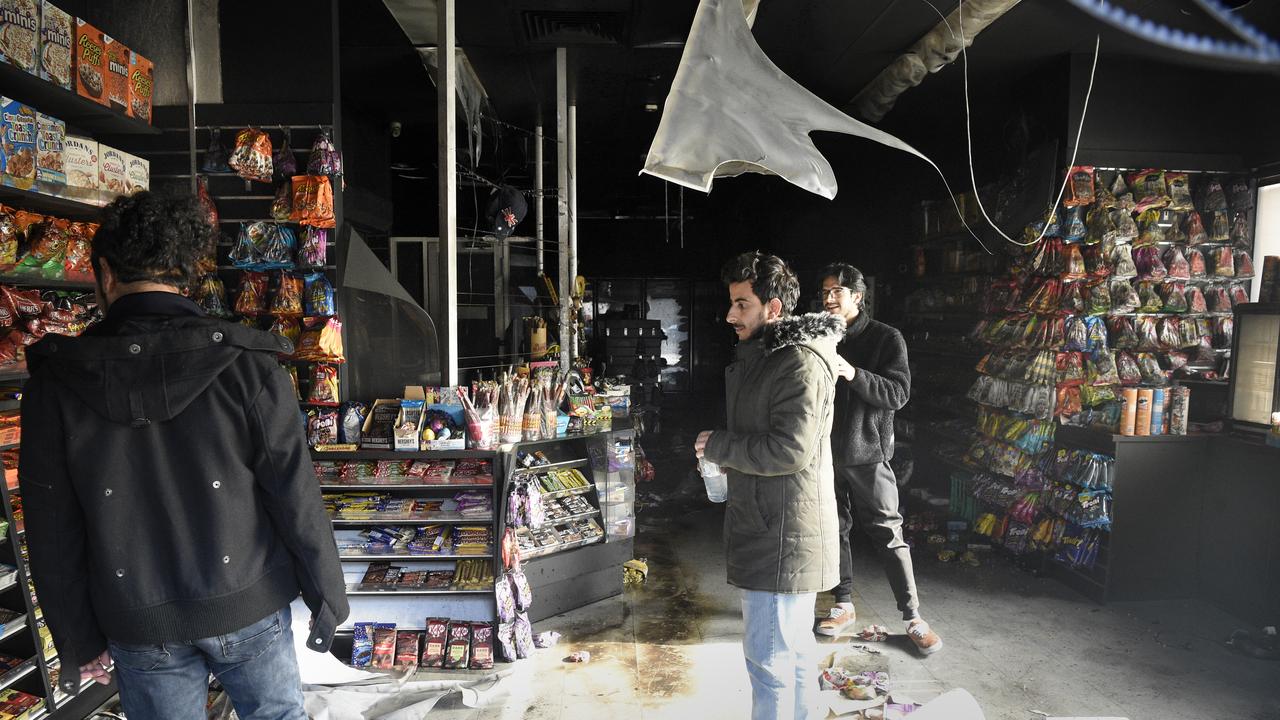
{"x":744,"y":510}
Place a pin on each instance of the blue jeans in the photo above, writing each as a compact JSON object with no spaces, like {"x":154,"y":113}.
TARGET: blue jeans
{"x":781,"y":654}
{"x":256,"y":665}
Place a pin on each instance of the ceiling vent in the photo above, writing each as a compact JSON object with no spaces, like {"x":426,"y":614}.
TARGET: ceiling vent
{"x":568,"y":28}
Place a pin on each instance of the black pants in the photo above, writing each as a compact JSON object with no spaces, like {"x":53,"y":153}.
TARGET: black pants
{"x":872,"y":492}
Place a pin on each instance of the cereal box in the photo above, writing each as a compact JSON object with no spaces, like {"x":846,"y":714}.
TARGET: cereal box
{"x":80,"y":161}
{"x":141,"y":85}
{"x":18,"y":144}
{"x":51,"y":134}
{"x":56,"y":33}
{"x":137,"y":174}
{"x":91,"y":62}
{"x":117,"y":74}
{"x":111,"y":173}
{"x":20,"y":33}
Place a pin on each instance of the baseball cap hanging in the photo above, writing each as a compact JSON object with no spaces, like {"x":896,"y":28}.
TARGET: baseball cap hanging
{"x":507,"y":207}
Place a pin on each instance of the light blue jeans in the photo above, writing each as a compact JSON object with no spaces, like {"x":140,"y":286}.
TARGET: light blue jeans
{"x":256,"y":666}
{"x":781,"y":654}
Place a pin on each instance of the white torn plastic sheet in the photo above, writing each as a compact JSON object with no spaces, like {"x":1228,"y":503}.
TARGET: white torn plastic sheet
{"x":732,"y":111}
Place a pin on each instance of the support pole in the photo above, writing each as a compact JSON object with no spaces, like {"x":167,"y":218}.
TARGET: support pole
{"x":447,"y":137}
{"x":562,"y":208}
{"x":573,"y":207}
{"x":539,"y":209}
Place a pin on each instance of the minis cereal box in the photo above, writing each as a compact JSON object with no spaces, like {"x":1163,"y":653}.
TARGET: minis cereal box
{"x":137,"y":174}
{"x":80,"y":161}
{"x":18,"y":144}
{"x":51,"y":134}
{"x":56,"y":34}
{"x":20,"y":33}
{"x":117,"y":74}
{"x":91,"y":62}
{"x":141,"y":86}
{"x":111,"y":173}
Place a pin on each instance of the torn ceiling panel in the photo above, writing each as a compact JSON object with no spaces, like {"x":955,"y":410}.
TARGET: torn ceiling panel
{"x":732,"y":111}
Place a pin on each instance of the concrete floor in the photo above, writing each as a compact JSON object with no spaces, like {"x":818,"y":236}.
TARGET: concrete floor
{"x":1021,"y":645}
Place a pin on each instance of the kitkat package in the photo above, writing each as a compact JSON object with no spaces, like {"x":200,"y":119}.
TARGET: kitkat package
{"x":481,"y":646}
{"x":458,"y":650}
{"x":433,"y":644}
{"x":91,"y":62}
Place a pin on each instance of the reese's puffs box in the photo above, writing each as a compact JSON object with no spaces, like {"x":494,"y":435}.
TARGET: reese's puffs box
{"x":91,"y":62}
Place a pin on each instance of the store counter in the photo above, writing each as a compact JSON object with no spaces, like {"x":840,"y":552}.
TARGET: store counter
{"x":586,"y":485}
{"x":1239,"y":542}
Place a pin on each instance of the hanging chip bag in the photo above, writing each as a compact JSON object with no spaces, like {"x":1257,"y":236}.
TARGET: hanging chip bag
{"x":321,"y":341}
{"x":319,"y":296}
{"x":324,"y":385}
{"x":287,"y":301}
{"x":313,"y":201}
{"x":251,"y":157}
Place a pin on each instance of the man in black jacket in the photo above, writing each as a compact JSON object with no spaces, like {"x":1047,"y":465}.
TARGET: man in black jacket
{"x":875,"y":381}
{"x":171,"y":507}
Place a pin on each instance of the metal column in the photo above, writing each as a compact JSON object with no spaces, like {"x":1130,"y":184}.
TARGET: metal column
{"x":573,"y":203}
{"x":562,"y":208}
{"x":446,"y":113}
{"x":539,"y":208}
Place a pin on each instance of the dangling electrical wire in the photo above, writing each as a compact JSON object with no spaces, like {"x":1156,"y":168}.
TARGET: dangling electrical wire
{"x":1084,"y":111}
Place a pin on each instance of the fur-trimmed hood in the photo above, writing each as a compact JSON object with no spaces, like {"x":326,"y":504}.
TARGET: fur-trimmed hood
{"x":803,"y":330}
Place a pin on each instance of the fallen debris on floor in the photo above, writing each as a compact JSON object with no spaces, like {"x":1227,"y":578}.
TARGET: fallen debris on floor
{"x":546,"y":639}
{"x":635,"y":572}
{"x":581,"y":656}
{"x":874,"y":633}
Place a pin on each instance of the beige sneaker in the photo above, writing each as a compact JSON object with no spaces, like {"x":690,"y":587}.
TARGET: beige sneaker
{"x":926,"y":640}
{"x":837,"y":621}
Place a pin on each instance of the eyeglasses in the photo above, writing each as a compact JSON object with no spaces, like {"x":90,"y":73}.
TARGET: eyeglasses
{"x":836,"y":293}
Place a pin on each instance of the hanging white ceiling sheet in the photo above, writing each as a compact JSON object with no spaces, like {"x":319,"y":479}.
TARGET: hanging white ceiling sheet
{"x":732,"y":111}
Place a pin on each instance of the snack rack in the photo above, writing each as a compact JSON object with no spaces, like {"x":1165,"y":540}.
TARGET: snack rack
{"x":564,"y":571}
{"x":21,"y":635}
{"x":409,"y":608}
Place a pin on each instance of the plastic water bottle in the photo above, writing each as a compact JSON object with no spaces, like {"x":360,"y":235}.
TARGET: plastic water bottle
{"x":717,"y":482}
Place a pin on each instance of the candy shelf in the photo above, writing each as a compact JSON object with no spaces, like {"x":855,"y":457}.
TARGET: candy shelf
{"x":329,"y":487}
{"x":68,"y":208}
{"x":412,"y":519}
{"x":369,"y":455}
{"x":565,"y":465}
{"x":556,"y":494}
{"x":34,"y":281}
{"x":374,"y":557}
{"x":560,"y":547}
{"x":357,"y":589}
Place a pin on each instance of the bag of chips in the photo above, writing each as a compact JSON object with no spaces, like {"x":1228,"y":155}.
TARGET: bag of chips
{"x":1224,"y":262}
{"x":1098,"y":295}
{"x":1179,"y":191}
{"x":1223,"y":330}
{"x":1147,"y":260}
{"x":1241,"y":233}
{"x":1122,"y":265}
{"x":1068,"y":401}
{"x":1079,"y":186}
{"x":1123,"y":195}
{"x":319,"y":296}
{"x":314,"y":250}
{"x":1152,"y":374}
{"x":252,"y":298}
{"x":1073,"y":299}
{"x":283,"y":164}
{"x":287,"y":301}
{"x":47,"y":249}
{"x":1176,"y":264}
{"x":322,"y":429}
{"x":251,"y":158}
{"x":206,"y":202}
{"x":215,"y":158}
{"x":321,"y":341}
{"x":1196,"y":268}
{"x":1099,"y":226}
{"x":1219,"y":300}
{"x":1077,"y":335}
{"x":1126,"y":228}
{"x":1195,"y":229}
{"x":282,"y":205}
{"x":1220,"y":232}
{"x":1149,"y":189}
{"x":1195,"y":300}
{"x":1127,"y":368}
{"x":1213,"y":199}
{"x":325,"y":158}
{"x":1239,"y":296}
{"x":1244,"y":264}
{"x":1123,"y":334}
{"x":313,"y":201}
{"x":1149,"y":300}
{"x":324,"y":385}
{"x":1152,"y":231}
{"x":1170,"y":333}
{"x":1075,"y":269}
{"x":211,"y":296}
{"x":77,"y":264}
{"x":1102,"y":182}
{"x":1124,"y":298}
{"x":1190,"y":334}
{"x":288,"y":328}
{"x":1175,"y":297}
{"x":1074,"y":229}
{"x":1097,"y":333}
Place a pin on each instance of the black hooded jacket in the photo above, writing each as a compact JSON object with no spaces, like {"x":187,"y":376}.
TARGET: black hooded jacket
{"x":862,"y":432}
{"x":168,"y":490}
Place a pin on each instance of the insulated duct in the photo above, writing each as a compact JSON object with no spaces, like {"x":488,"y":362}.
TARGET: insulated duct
{"x":937,"y":49}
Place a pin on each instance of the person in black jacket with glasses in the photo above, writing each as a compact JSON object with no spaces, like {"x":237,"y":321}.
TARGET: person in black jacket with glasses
{"x":171,"y":504}
{"x":875,"y":381}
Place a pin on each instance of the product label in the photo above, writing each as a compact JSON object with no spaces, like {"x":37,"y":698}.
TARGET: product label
{"x":111,"y":172}
{"x":55,"y":46}
{"x":19,"y":33}
{"x":50,"y":139}
{"x":19,"y":148}
{"x":80,"y":160}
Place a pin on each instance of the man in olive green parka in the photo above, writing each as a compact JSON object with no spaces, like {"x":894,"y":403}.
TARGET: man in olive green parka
{"x":781,"y":527}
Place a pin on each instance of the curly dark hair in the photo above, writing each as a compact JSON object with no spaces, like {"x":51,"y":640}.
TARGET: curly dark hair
{"x":769,"y":275}
{"x":846,"y":275}
{"x":153,"y":237}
